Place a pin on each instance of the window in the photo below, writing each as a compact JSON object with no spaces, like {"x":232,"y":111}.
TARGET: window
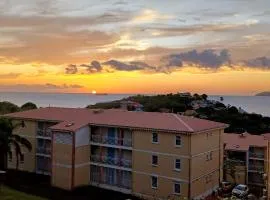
{"x":154,"y":160}
{"x":209,"y":156}
{"x":178,"y":141}
{"x":177,"y":188}
{"x":154,"y":138}
{"x":177,"y":164}
{"x":10,"y":157}
{"x":154,"y":181}
{"x":22,"y":159}
{"x":208,"y":179}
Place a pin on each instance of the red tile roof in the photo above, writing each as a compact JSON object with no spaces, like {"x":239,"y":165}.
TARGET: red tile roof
{"x":113,"y":117}
{"x":238,"y":142}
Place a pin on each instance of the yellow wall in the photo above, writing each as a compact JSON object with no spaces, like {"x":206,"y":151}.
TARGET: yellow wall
{"x":61,"y":168}
{"x":165,"y":186}
{"x":28,"y":132}
{"x":200,"y":185}
{"x":82,"y":173}
{"x":82,"y":176}
{"x":203,"y":142}
{"x":61,"y":177}
{"x":143,"y":163}
{"x":200,"y":165}
{"x":143,"y":140}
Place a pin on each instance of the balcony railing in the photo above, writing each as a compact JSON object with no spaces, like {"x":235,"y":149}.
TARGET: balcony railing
{"x":46,"y":151}
{"x":258,"y":168}
{"x":254,"y":180}
{"x":120,"y":182}
{"x":111,"y":161}
{"x":111,"y":140}
{"x":44,"y":133}
{"x":256,"y":155}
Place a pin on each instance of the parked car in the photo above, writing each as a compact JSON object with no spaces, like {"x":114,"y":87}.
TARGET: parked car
{"x":240,"y":191}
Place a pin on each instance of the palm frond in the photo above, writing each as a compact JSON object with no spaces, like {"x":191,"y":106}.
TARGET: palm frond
{"x":23,"y":141}
{"x":17,"y":148}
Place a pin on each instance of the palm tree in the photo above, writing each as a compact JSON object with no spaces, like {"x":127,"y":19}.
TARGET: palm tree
{"x":9,"y":140}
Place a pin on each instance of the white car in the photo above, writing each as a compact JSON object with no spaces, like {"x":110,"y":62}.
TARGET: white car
{"x":240,"y":191}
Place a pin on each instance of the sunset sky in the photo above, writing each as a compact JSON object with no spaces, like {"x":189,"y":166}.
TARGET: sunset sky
{"x":122,"y":46}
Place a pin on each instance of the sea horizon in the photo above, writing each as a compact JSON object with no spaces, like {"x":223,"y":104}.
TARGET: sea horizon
{"x":251,"y":104}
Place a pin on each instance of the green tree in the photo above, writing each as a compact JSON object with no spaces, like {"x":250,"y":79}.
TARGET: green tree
{"x":204,"y":96}
{"x":8,"y":140}
{"x":7,"y":107}
{"x":28,"y":106}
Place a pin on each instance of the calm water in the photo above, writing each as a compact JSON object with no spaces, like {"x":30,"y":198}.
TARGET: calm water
{"x":255,"y":104}
{"x":58,"y":100}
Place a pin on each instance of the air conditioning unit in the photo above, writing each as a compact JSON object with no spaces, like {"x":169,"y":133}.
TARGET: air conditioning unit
{"x":264,"y":176}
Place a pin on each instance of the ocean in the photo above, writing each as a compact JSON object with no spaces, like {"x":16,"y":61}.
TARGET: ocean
{"x":256,"y":104}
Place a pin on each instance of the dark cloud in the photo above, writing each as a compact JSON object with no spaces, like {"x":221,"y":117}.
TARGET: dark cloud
{"x":259,"y":62}
{"x":71,"y":69}
{"x":121,"y":66}
{"x":207,"y":58}
{"x":94,"y":67}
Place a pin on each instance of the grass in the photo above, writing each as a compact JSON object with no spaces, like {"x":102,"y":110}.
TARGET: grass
{"x":7,"y":193}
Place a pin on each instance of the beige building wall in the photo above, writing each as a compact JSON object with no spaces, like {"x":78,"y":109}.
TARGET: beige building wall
{"x":204,"y":184}
{"x":142,"y":140}
{"x":62,"y":166}
{"x":165,"y":187}
{"x":202,"y":164}
{"x":82,"y":167}
{"x":206,"y":162}
{"x":28,"y":132}
{"x":205,"y":141}
{"x":167,"y":152}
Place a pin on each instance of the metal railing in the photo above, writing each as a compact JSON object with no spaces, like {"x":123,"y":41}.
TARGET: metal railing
{"x":111,"y":140}
{"x":44,"y":132}
{"x":108,"y":180}
{"x":111,"y":161}
{"x":258,"y":168}
{"x":256,"y":155}
{"x":255,"y":180}
{"x":46,"y":151}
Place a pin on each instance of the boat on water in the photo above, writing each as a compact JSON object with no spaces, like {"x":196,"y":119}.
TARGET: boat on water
{"x":101,"y":94}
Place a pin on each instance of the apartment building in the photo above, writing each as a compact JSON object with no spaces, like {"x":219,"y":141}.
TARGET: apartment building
{"x":246,"y":160}
{"x":150,"y":155}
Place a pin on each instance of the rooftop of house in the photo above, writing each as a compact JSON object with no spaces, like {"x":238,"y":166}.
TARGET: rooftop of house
{"x":242,"y":142}
{"x":72,"y":119}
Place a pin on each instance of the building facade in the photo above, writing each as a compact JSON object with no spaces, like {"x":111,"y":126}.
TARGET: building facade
{"x":246,"y":160}
{"x":150,"y":155}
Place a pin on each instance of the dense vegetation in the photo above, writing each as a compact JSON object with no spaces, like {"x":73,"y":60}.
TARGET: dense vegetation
{"x":263,"y":94}
{"x":238,"y":121}
{"x":7,"y":107}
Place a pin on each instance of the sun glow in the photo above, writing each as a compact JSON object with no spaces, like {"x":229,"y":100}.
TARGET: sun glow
{"x":94,"y":91}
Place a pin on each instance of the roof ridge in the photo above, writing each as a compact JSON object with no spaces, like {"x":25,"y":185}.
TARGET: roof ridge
{"x":184,"y":123}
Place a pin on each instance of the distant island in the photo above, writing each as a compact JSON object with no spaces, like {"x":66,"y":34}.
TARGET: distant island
{"x":263,"y":94}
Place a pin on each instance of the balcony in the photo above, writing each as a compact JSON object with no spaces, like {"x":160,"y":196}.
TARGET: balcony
{"x":253,"y":155}
{"x":257,"y":168}
{"x":43,"y":165}
{"x":45,"y":151}
{"x":111,"y":140}
{"x":120,"y":162}
{"x":106,"y":179}
{"x":256,"y":181}
{"x":46,"y":133}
